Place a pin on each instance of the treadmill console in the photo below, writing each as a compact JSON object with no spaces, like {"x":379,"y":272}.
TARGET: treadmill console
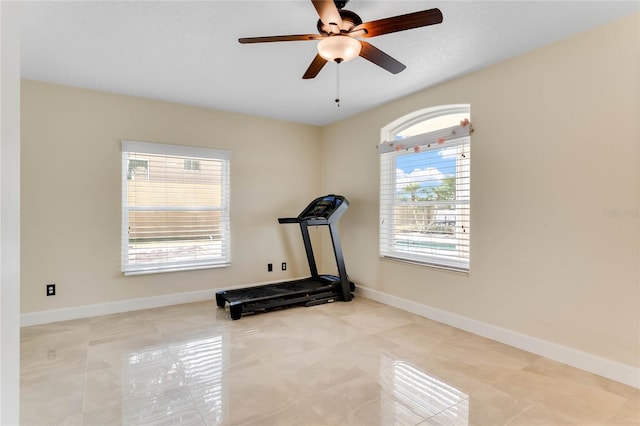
{"x":321,"y":211}
{"x":324,"y":208}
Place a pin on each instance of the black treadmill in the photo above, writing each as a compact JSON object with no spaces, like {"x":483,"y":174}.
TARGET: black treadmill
{"x":315,"y":290}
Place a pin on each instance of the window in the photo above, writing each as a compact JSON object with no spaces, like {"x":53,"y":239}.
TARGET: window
{"x":177,"y":217}
{"x":138,"y":169}
{"x":191,"y":164}
{"x":425,"y":187}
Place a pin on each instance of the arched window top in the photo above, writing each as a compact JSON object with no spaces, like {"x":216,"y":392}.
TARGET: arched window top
{"x":425,"y":120}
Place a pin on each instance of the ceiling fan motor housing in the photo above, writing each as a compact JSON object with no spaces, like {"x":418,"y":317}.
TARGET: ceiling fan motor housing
{"x":349,"y":21}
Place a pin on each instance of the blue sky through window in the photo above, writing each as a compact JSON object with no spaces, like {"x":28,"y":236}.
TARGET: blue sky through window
{"x":426,"y":168}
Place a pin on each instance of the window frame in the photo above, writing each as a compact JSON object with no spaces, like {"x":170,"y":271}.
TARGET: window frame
{"x":388,"y":203}
{"x":177,"y":152}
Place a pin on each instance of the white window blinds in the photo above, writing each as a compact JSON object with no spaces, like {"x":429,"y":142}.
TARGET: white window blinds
{"x":425,"y":197}
{"x":175,"y":208}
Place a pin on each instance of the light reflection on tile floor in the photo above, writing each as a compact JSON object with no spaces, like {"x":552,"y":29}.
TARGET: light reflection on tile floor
{"x":357,"y":363}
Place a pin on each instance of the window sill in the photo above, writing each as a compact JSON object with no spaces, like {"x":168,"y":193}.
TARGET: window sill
{"x":174,"y":269}
{"x":458,"y":270}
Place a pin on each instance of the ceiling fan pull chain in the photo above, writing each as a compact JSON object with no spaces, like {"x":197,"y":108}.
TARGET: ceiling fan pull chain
{"x":338,"y":84}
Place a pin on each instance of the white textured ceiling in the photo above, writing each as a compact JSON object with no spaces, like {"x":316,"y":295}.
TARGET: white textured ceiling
{"x":187,"y":51}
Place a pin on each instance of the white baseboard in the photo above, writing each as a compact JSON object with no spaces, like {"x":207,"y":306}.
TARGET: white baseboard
{"x":623,"y":373}
{"x":128,"y":305}
{"x":87,"y":311}
{"x":613,"y":370}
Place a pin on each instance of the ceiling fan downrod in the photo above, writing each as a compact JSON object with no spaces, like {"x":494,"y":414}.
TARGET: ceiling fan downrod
{"x":337,"y":61}
{"x":340,"y":4}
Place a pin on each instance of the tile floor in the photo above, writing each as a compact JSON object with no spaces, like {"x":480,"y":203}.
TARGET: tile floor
{"x":357,"y":363}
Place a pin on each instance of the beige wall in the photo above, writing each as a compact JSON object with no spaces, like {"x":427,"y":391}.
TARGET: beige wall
{"x":71,"y":193}
{"x":556,"y":146}
{"x":555,"y":195}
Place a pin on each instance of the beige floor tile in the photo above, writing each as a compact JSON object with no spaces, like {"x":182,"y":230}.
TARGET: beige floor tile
{"x":51,"y":400}
{"x":341,"y":309}
{"x":453,"y":416}
{"x":170,"y":406}
{"x":103,"y":388}
{"x":629,"y":413}
{"x":123,"y":326}
{"x":357,"y":363}
{"x":293,"y":415}
{"x":422,"y":336}
{"x":573,"y":402}
{"x":338,"y":404}
{"x":379,"y":320}
{"x":57,"y":349}
{"x":76,"y":331}
{"x":547,"y":367}
{"x":105,"y":415}
{"x":52,"y":360}
{"x":186,"y":316}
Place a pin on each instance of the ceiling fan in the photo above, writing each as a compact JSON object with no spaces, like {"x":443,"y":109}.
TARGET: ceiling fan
{"x":339,"y":30}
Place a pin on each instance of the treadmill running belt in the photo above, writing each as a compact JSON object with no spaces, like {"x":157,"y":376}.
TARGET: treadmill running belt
{"x":274,"y":290}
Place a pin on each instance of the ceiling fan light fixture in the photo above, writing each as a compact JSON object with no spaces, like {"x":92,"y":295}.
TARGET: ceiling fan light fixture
{"x":339,"y":48}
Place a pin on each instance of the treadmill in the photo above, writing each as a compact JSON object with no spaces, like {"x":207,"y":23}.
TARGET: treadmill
{"x":315,"y":290}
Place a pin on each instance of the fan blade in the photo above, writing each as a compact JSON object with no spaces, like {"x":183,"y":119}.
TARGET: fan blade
{"x":315,"y":67}
{"x":329,"y":14}
{"x":400,"y":23}
{"x":378,"y":57}
{"x":268,"y":39}
{"x":357,"y":33}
